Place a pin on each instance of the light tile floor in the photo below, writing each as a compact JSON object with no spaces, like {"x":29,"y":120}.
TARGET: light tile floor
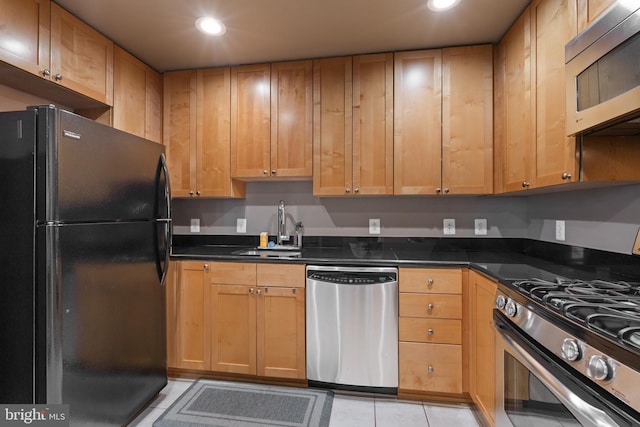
{"x":349,"y":410}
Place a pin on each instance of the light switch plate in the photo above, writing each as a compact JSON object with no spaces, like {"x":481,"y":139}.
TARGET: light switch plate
{"x":449,"y":226}
{"x":560,"y":230}
{"x":374,"y":226}
{"x":636,"y":245}
{"x":195,"y":225}
{"x":241,"y":225}
{"x":481,"y":227}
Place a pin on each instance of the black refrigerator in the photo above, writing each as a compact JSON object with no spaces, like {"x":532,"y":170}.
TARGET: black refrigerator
{"x":85,"y":232}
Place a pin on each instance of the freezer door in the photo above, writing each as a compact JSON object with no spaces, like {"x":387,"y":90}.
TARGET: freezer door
{"x":106,"y":317}
{"x":91,"y":172}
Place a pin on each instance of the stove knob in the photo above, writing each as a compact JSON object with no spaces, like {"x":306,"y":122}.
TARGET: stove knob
{"x":500,"y":301}
{"x":599,"y":369}
{"x":511,"y":308}
{"x":571,"y":350}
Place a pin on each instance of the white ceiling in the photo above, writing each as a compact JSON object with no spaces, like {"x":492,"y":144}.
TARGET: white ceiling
{"x":162,"y":32}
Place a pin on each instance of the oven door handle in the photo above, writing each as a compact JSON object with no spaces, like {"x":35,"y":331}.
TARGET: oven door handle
{"x":586,"y":414}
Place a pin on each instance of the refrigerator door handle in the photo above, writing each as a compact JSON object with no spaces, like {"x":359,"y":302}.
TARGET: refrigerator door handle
{"x":168,"y":235}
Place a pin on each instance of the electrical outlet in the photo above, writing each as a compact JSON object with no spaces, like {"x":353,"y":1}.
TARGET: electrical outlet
{"x":241,"y":225}
{"x":449,"y":226}
{"x":195,"y":225}
{"x":374,"y":226}
{"x":636,"y":245}
{"x":481,"y":227}
{"x":560,"y":230}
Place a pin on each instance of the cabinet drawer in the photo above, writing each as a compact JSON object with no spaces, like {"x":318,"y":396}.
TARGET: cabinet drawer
{"x":439,"y":306}
{"x":431,"y":280}
{"x":430,"y":367}
{"x":290,"y":275}
{"x":233,"y":273}
{"x":430,"y":330}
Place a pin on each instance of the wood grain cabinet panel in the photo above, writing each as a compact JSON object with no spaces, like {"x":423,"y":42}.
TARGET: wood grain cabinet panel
{"x":440,"y":306}
{"x":441,"y":331}
{"x":590,"y":10}
{"x":25,"y":35}
{"x":430,"y":367}
{"x":81,"y":58}
{"x":137,"y":102}
{"x":431,"y":280}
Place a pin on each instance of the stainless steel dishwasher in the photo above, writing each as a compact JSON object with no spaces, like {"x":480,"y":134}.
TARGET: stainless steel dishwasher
{"x":352,"y":328}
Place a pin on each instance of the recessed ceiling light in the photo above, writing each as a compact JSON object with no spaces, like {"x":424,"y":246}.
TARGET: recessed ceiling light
{"x":209,"y":25}
{"x":440,"y":5}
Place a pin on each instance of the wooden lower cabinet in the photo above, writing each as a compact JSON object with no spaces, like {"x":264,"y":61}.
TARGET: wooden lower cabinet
{"x":257,"y":319}
{"x":430,"y":367}
{"x":482,"y":382}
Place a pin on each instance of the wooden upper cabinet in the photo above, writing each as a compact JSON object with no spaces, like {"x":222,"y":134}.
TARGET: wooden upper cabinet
{"x":180,"y":131}
{"x":137,"y":100}
{"x":514,"y":148}
{"x":417,"y":122}
{"x":25,"y":34}
{"x":467,"y":120}
{"x":292,"y":119}
{"x":332,"y":126}
{"x":197,"y":133}
{"x":589,"y":10}
{"x":81,"y":58}
{"x":251,"y":121}
{"x":373,"y":124}
{"x":553,"y":25}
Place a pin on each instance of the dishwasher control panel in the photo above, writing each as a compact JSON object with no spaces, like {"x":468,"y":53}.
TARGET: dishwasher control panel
{"x":352,"y":278}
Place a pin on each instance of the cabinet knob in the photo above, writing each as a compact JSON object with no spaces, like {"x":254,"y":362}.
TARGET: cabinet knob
{"x":430,"y":307}
{"x":191,"y":193}
{"x":348,"y":190}
{"x":273,"y":171}
{"x":293,"y":290}
{"x":206,"y":266}
{"x":566,"y":175}
{"x":525,"y":184}
{"x":356,"y":190}
{"x":58,"y":77}
{"x":46,"y":72}
{"x":258,"y":292}
{"x":430,"y":369}
{"x":266,"y":289}
{"x":198,"y":193}
{"x":265,"y":172}
{"x":446,"y":190}
{"x":430,"y":282}
{"x":438,"y":190}
{"x":250,"y":290}
{"x":430,"y":331}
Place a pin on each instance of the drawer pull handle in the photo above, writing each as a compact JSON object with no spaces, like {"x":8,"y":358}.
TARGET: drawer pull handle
{"x":251,"y":290}
{"x":430,"y":282}
{"x":430,"y":307}
{"x":430,"y":331}
{"x":430,"y":369}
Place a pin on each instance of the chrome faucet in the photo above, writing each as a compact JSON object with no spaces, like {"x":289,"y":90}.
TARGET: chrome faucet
{"x":282,"y":224}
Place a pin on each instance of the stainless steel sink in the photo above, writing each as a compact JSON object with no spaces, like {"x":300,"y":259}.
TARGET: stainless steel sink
{"x":269,"y":253}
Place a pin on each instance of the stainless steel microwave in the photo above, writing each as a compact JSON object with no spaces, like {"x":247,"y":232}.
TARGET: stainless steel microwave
{"x":603,"y":73}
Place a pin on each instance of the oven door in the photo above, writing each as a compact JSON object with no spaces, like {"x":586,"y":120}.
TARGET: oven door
{"x":534,"y":388}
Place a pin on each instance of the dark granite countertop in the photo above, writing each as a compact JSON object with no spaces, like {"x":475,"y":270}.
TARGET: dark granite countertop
{"x":504,"y":259}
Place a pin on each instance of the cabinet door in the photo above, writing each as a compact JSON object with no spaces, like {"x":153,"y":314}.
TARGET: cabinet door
{"x":292,"y":119}
{"x":213,"y":134}
{"x":25,"y":34}
{"x":589,"y":10}
{"x":373,"y":124}
{"x":430,"y":367}
{"x":281,"y":332}
{"x":482,"y":358}
{"x":250,"y":121}
{"x":233,"y":335}
{"x":553,"y":24}
{"x":332,"y":126}
{"x":417,"y":122}
{"x":192,"y":317}
{"x":180,"y":130}
{"x":81,"y":58}
{"x":467,"y":120}
{"x":136,"y":96}
{"x":515,"y":118}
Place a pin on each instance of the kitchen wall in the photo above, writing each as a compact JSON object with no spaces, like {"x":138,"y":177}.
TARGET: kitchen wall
{"x":606,"y":218}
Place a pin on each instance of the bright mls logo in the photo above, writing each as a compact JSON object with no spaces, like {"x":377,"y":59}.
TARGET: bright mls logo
{"x":35,"y":415}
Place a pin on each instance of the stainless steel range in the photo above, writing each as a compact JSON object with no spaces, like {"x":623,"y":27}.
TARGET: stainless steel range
{"x":568,"y":353}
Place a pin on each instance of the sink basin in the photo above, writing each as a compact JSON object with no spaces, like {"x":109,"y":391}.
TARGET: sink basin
{"x":269,"y":253}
